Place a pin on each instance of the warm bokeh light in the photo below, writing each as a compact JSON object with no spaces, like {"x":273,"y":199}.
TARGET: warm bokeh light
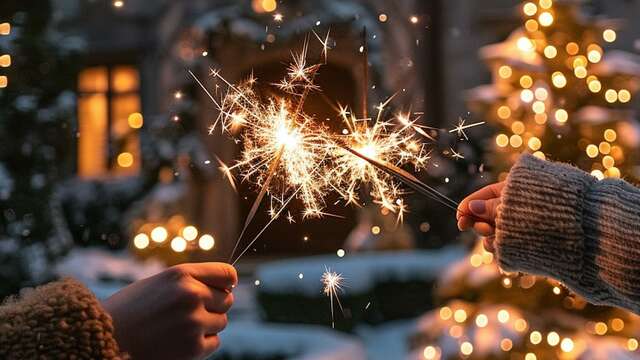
{"x":515,"y":141}
{"x":546,"y":4}
{"x":430,"y":352}
{"x":545,"y":19}
{"x":553,"y":338}
{"x":520,"y":325}
{"x":534,"y":143}
{"x":518,"y":127}
{"x":505,"y":71}
{"x":135,"y":120}
{"x":526,"y":95}
{"x":561,"y":115}
{"x":530,"y":356}
{"x":504,"y":112}
{"x":529,"y":9}
{"x":541,"y":94}
{"x":572,"y":48}
{"x":125,"y":159}
{"x":617,"y":324}
{"x":611,"y":96}
{"x":340,"y":253}
{"x":610,"y":135}
{"x":5,"y":60}
{"x":558,"y":79}
{"x":592,"y":151}
{"x":525,"y":44}
{"x":206,"y":242}
{"x":538,"y":107}
{"x":190,"y":233}
{"x":460,"y":316}
{"x":466,"y":348}
{"x":502,"y":140}
{"x":526,"y":81}
{"x":531,"y":25}
{"x":159,"y":234}
{"x":506,"y":344}
{"x":595,"y":86}
{"x":598,"y":174}
{"x":482,"y":320}
{"x":503,"y":316}
{"x":632,"y":344}
{"x":609,"y":35}
{"x":535,"y":337}
{"x":4,"y":81}
{"x":550,"y":51}
{"x":624,"y":96}
{"x":141,"y":241}
{"x":5,"y":28}
{"x":178,"y":244}
{"x":446,"y":313}
{"x":566,"y":345}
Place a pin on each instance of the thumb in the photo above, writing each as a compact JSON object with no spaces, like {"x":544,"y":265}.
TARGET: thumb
{"x":485,"y":209}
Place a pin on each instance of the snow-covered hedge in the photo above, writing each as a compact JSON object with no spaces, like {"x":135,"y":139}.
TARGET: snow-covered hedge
{"x":258,"y":341}
{"x":378,"y":286}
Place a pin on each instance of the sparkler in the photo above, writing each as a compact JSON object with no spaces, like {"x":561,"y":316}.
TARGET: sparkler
{"x":333,"y":283}
{"x":287,"y":154}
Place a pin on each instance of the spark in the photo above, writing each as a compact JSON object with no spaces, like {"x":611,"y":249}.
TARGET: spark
{"x":456,"y":155}
{"x":278,"y":17}
{"x":461,"y":127}
{"x":288,"y":154}
{"x":333,"y":285}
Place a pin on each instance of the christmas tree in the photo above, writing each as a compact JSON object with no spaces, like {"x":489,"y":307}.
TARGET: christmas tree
{"x":558,"y":95}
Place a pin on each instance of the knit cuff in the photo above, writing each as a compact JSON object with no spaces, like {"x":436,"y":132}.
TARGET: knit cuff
{"x":58,"y":320}
{"x":539,"y":223}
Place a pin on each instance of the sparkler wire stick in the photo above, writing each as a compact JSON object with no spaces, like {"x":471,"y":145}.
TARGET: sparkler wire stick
{"x":256,"y":203}
{"x":284,"y":205}
{"x":407,"y":178}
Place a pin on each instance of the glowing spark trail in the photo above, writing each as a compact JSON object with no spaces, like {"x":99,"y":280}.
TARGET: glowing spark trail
{"x":333,"y":283}
{"x":461,"y":127}
{"x":288,"y":154}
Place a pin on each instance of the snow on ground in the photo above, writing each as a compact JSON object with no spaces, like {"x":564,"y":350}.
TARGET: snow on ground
{"x":361,"y":271}
{"x":105,"y":272}
{"x":244,"y":339}
{"x":388,"y":341}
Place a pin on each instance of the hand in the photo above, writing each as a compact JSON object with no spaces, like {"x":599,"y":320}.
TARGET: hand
{"x":479,"y":211}
{"x":175,"y":314}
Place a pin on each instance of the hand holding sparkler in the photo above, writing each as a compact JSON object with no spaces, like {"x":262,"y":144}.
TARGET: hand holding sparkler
{"x":479,"y":211}
{"x":176,"y":314}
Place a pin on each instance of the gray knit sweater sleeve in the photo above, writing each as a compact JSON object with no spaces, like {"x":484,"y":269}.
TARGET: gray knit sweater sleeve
{"x":560,"y":222}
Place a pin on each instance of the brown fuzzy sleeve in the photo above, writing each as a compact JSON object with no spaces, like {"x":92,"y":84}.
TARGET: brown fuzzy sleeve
{"x":54,"y":321}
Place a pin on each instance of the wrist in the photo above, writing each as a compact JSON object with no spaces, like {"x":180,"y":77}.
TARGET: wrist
{"x":539,"y":224}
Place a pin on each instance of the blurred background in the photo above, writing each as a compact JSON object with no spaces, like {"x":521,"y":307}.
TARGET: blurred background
{"x":109,"y":173}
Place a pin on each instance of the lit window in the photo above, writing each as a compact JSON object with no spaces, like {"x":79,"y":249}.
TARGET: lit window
{"x":109,"y":118}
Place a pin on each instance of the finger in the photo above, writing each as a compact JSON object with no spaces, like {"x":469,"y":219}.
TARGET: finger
{"x":210,"y":343}
{"x":486,"y":193}
{"x":487,"y":243}
{"x":213,"y":323}
{"x":218,"y":301}
{"x":483,"y":229}
{"x":465,"y":223}
{"x":218,"y":275}
{"x":485,"y":209}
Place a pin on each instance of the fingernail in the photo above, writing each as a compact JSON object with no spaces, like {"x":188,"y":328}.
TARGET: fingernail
{"x":477,"y":207}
